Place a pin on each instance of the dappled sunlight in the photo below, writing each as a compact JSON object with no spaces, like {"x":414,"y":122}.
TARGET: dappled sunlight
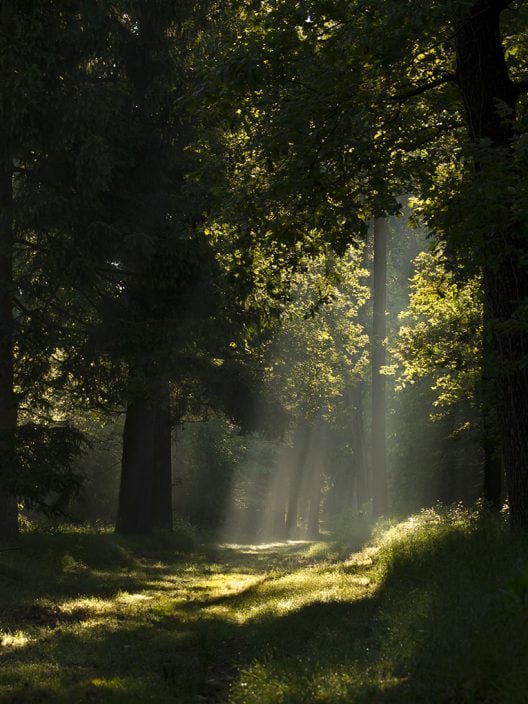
{"x":280,"y":621}
{"x":14,"y":640}
{"x":281,"y":594}
{"x":126,"y":598}
{"x":249,"y":548}
{"x":94,"y":638}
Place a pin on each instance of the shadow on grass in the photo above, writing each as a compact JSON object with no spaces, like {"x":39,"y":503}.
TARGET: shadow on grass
{"x":167,"y":649}
{"x":447,"y":624}
{"x":168,"y":660}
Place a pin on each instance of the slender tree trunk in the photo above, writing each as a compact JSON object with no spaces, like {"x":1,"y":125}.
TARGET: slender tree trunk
{"x":294,"y":491}
{"x":317,"y":461}
{"x":312,"y":529}
{"x":359,"y":447}
{"x":486,"y":88}
{"x":509,"y":286}
{"x":379,"y":332}
{"x":162,"y":475}
{"x":492,"y":455}
{"x":8,"y":405}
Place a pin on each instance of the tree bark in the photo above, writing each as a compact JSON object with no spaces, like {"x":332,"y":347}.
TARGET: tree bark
{"x":145,"y":495}
{"x":359,"y":467}
{"x":509,"y":286}
{"x":134,"y":514}
{"x":162,"y":476}
{"x":317,"y":460}
{"x":491,"y":449}
{"x":8,"y":405}
{"x":379,"y":332}
{"x":312,"y":528}
{"x":301,"y":450}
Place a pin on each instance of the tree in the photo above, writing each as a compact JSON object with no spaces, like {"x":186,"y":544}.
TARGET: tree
{"x":437,"y":362}
{"x":378,"y":360}
{"x":52,"y":167}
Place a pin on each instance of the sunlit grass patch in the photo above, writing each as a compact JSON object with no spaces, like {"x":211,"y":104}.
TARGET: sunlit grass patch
{"x":282,"y":593}
{"x":15,"y":639}
{"x":447,"y":619}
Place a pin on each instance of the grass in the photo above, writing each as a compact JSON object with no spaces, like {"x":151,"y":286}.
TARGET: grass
{"x":434,"y":609}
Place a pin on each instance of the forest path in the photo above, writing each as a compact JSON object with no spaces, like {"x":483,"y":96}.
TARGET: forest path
{"x":87,"y":620}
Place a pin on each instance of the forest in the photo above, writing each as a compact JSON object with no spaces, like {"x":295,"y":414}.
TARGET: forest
{"x":264,"y":351}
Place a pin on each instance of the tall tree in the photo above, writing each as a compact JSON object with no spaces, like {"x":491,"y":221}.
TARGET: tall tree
{"x":164,"y":259}
{"x":50,"y":174}
{"x":378,"y":361}
{"x":490,"y":100}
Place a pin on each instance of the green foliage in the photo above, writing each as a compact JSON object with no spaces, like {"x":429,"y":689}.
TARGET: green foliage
{"x":436,"y":360}
{"x":98,"y":470}
{"x":440,"y":336}
{"x":320,"y":348}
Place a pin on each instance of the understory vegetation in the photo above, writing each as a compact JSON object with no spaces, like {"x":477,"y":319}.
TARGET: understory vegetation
{"x":431,"y":608}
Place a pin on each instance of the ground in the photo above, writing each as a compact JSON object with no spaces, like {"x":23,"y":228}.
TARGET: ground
{"x":433,"y":609}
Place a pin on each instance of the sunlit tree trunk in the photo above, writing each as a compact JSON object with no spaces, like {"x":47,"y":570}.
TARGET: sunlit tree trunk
{"x":379,"y":332}
{"x":301,"y":447}
{"x":8,"y":406}
{"x":359,"y":465}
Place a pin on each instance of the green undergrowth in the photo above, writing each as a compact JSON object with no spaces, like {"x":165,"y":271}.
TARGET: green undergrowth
{"x":433,"y":608}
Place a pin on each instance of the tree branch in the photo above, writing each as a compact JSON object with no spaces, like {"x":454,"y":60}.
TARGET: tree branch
{"x":418,"y":90}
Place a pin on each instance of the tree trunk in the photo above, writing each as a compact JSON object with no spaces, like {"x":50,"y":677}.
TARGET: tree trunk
{"x":8,"y":406}
{"x":294,"y":492}
{"x":359,"y":447}
{"x":317,"y":461}
{"x":509,"y":286}
{"x":162,"y":476}
{"x":134,"y":514}
{"x":379,"y":332}
{"x":145,"y":495}
{"x":312,"y":529}
{"x":488,"y":93}
{"x":492,"y":455}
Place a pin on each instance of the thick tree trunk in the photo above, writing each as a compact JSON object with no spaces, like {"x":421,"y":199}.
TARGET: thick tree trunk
{"x":145,"y":495}
{"x":162,"y":477}
{"x":8,"y":406}
{"x":508,"y":287}
{"x":134,"y":514}
{"x":379,"y":332}
{"x":488,"y":94}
